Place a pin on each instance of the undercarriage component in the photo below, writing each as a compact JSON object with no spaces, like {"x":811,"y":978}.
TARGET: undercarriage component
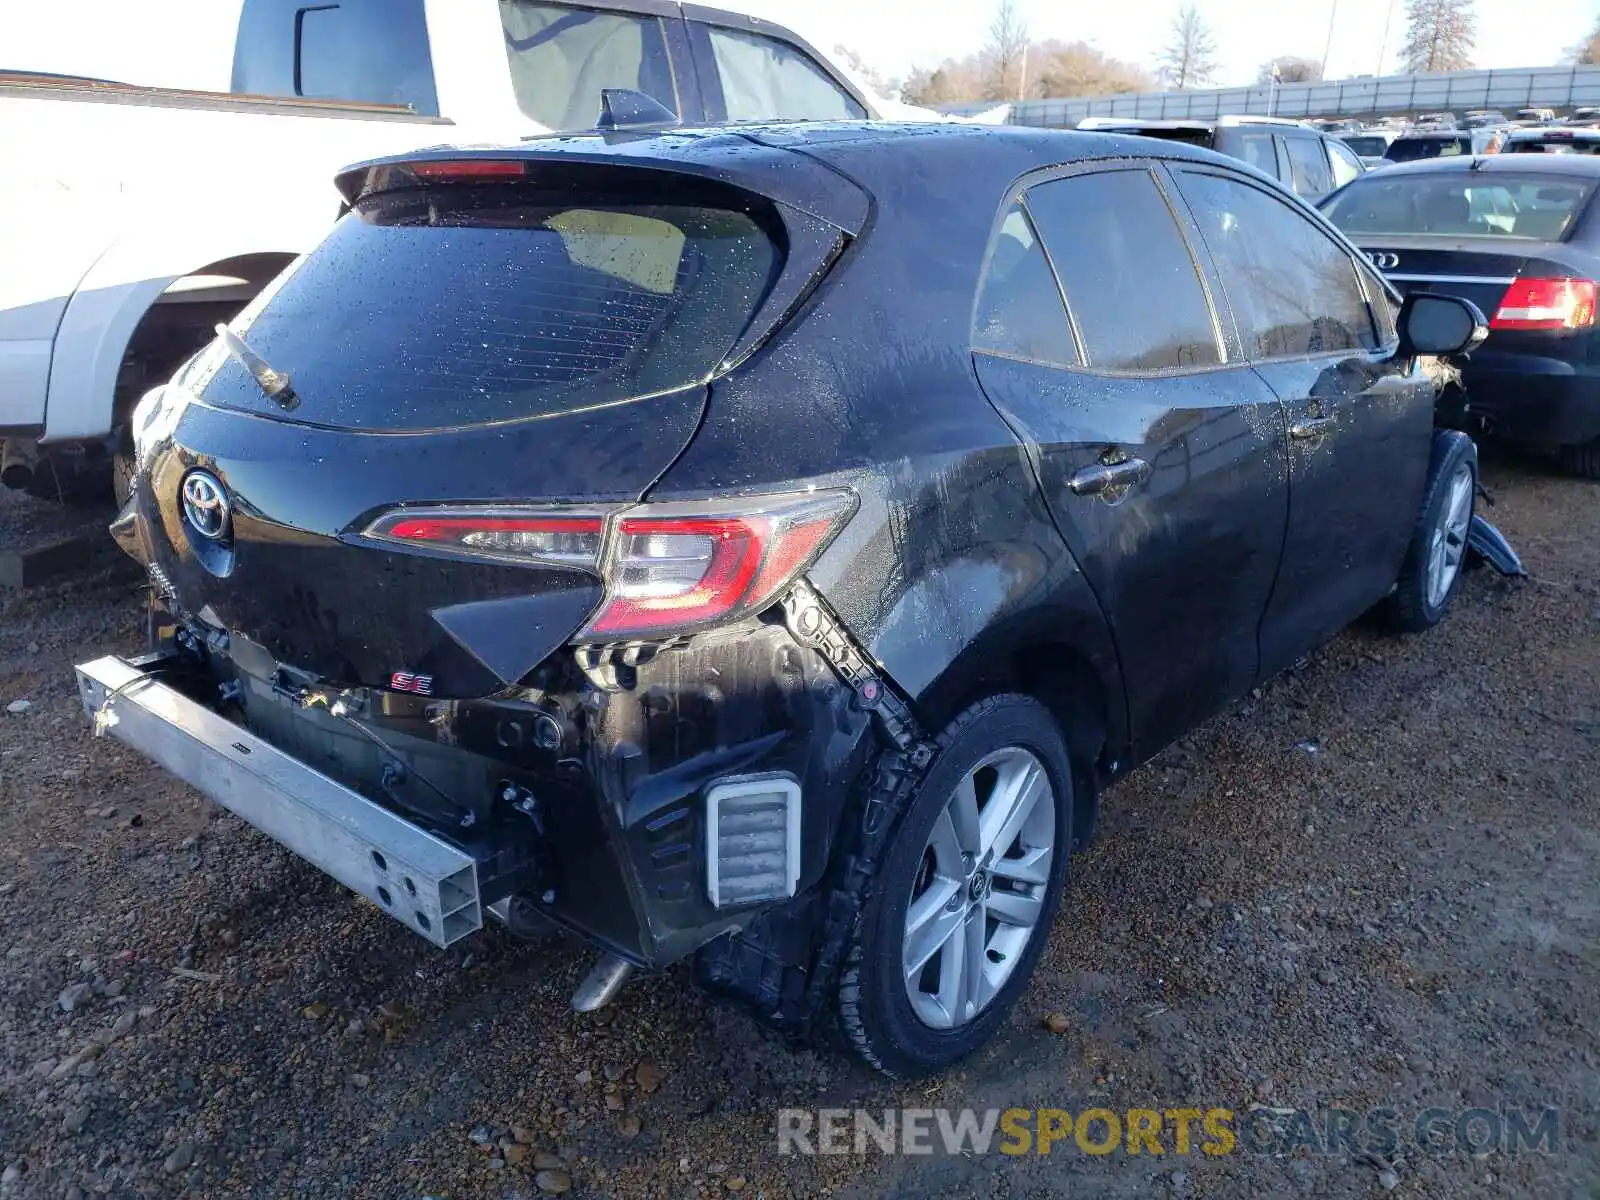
{"x":1489,"y":544}
{"x":752,"y":839}
{"x":415,"y":877}
{"x":19,"y":458}
{"x":601,"y":985}
{"x":783,"y":965}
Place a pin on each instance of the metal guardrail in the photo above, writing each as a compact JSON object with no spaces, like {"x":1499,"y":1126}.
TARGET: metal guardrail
{"x":1456,"y":91}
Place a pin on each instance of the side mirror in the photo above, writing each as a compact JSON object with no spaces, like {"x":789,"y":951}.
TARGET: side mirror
{"x":1431,"y":324}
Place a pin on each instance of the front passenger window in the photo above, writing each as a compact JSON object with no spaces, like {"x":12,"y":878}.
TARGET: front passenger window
{"x":1295,"y":291}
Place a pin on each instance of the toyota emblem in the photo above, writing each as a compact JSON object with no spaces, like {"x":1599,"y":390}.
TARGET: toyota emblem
{"x":1384,"y":260}
{"x":205,"y":505}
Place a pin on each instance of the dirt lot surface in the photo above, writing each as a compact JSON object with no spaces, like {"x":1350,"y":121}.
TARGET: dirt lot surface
{"x":1373,"y":885}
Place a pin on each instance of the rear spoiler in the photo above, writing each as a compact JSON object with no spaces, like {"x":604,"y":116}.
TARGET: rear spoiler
{"x":789,"y":178}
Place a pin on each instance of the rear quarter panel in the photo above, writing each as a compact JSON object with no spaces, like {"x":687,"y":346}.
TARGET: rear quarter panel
{"x":951,"y":567}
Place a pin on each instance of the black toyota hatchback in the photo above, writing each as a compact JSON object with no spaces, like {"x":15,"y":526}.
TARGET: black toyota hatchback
{"x":764,"y":545}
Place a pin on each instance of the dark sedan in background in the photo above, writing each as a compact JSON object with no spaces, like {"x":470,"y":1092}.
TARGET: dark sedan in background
{"x":1518,"y":236}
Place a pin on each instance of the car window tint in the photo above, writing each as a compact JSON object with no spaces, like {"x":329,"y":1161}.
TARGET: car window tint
{"x":1294,"y":289}
{"x":763,"y":79}
{"x":1346,"y":166}
{"x":1309,"y":165}
{"x":1257,"y":150}
{"x":1019,"y":311}
{"x":369,"y":51}
{"x":1129,"y":277}
{"x":561,"y":58}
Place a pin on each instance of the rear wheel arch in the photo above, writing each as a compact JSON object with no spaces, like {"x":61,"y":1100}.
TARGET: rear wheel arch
{"x":1084,"y":700}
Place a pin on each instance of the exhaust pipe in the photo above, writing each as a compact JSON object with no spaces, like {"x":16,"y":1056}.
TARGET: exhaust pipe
{"x":601,"y":985}
{"x":18,"y":459}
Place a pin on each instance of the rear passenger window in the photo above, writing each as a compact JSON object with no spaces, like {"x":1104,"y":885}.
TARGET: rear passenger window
{"x":1294,"y":289}
{"x":763,"y":80}
{"x":1309,"y":164}
{"x":1257,"y":150}
{"x":1020,"y":314}
{"x":1127,"y":272}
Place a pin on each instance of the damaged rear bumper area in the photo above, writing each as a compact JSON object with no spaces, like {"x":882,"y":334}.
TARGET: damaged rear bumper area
{"x":418,"y":878}
{"x":648,"y":800}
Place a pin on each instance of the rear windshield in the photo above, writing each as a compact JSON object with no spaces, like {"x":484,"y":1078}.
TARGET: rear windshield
{"x":1367,"y":147}
{"x":1460,"y":205}
{"x":440,"y":307}
{"x":1411,"y":149}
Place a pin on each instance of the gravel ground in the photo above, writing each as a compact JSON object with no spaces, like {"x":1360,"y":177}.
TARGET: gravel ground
{"x":1373,"y":884}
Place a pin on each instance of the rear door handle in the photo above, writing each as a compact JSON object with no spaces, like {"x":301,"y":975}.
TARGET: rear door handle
{"x":1311,"y":428}
{"x":1109,"y":477}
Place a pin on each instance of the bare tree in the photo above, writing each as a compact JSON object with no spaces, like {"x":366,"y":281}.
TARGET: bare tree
{"x":1189,"y":59}
{"x":1439,"y":35}
{"x":1587,"y":52}
{"x":1005,"y":54}
{"x":1291,"y":69}
{"x":1055,"y":68}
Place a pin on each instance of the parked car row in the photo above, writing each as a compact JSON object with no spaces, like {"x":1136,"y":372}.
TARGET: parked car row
{"x":652,"y":537}
{"x":1305,"y":160}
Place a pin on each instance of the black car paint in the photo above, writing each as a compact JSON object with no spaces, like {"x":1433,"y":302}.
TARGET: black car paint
{"x":968,"y":567}
{"x":1523,"y":385}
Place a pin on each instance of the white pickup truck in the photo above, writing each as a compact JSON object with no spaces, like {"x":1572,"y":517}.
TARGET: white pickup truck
{"x":133,"y":219}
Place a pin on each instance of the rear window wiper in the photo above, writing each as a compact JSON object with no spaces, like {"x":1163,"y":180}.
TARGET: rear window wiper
{"x":273,"y":384}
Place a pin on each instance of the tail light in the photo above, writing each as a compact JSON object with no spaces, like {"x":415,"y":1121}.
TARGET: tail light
{"x":668,"y":568}
{"x":1547,"y":304}
{"x":507,"y":535}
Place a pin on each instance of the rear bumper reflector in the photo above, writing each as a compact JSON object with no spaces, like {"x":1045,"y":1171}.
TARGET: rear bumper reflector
{"x":412,"y":875}
{"x":752,"y":839}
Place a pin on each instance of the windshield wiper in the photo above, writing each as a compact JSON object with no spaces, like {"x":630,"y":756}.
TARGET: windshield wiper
{"x":273,"y":384}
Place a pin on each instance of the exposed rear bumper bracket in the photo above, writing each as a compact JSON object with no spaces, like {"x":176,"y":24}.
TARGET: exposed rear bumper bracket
{"x":412,"y":875}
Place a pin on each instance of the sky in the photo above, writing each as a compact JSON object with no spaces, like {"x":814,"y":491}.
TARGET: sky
{"x":189,"y":43}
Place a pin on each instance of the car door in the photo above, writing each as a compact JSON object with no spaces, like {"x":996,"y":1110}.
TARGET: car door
{"x":746,"y":73}
{"x":1318,"y":326}
{"x":1160,"y":452}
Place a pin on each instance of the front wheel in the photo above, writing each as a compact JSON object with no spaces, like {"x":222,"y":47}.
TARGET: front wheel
{"x":962,"y":906}
{"x":1438,"y":548}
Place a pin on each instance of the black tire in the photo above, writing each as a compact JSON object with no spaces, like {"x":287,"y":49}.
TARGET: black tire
{"x":1582,"y":461}
{"x":874,"y":1009}
{"x":1412,"y":608}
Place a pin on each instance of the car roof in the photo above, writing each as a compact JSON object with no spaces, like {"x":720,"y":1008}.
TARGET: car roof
{"x":1587,"y":165}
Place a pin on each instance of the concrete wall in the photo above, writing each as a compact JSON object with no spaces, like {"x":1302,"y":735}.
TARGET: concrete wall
{"x":1457,"y":91}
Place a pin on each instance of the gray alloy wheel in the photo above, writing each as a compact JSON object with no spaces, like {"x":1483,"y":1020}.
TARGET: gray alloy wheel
{"x":977,"y":899}
{"x":1448,"y":546}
